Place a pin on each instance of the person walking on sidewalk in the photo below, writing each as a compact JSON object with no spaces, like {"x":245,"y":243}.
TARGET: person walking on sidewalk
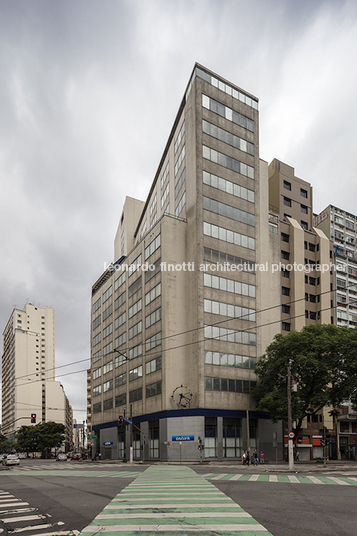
{"x":262,"y":456}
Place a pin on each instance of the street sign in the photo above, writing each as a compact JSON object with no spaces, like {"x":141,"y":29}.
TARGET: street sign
{"x":92,"y":436}
{"x":180,"y":443}
{"x":183,"y":438}
{"x":291,"y":435}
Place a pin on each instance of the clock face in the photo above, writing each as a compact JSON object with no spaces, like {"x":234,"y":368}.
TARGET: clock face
{"x":181,"y":396}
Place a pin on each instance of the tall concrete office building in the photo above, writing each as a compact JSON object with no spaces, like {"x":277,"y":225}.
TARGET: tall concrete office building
{"x":174,"y":321}
{"x":28,"y":372}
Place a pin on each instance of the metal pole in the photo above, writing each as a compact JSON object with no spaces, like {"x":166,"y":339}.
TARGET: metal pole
{"x":248,"y":432}
{"x":131,"y":435}
{"x":290,"y":444}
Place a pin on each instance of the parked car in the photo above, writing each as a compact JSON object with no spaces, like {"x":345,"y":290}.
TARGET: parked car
{"x":61,"y":457}
{"x":11,"y":459}
{"x":2,"y":457}
{"x":76,"y":456}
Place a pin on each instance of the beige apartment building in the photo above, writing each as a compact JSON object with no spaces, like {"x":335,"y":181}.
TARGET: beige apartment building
{"x":174,"y":319}
{"x":303,"y":277}
{"x":28,"y":372}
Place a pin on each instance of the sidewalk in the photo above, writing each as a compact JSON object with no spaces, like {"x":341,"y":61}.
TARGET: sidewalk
{"x":273,"y":467}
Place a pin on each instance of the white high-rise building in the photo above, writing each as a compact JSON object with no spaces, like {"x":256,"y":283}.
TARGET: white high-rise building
{"x":28,"y":371}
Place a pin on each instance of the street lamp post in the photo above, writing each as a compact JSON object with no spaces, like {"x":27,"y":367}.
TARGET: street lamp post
{"x":290,"y":440}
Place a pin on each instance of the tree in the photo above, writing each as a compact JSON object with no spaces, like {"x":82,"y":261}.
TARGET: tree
{"x":323,"y":367}
{"x":43,"y":436}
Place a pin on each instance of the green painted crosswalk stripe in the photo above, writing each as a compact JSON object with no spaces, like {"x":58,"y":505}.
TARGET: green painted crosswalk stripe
{"x":173,"y":500}
{"x":289,"y":479}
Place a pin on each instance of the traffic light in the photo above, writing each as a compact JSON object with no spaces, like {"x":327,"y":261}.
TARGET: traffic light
{"x":322,"y":442}
{"x":33,"y":418}
{"x":120,"y":420}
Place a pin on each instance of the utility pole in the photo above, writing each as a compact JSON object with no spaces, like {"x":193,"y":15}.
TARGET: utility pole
{"x":290,"y":444}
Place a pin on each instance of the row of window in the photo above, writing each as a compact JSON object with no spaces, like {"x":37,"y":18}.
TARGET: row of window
{"x":227,"y":186}
{"x":119,"y":341}
{"x":230,"y":360}
{"x":119,"y":281}
{"x":230,"y":335}
{"x":221,"y":258}
{"x":227,"y":162}
{"x":228,"y":285}
{"x":229,"y":385}
{"x":152,"y":318}
{"x":165,"y":194}
{"x":226,"y":88}
{"x":229,"y":236}
{"x":227,"y":112}
{"x":165,"y":174}
{"x":134,"y":396}
{"x":107,"y":294}
{"x":135,"y":330}
{"x":226,"y":309}
{"x":287,"y":186}
{"x":227,"y":137}
{"x":228,"y":211}
{"x":152,"y":342}
{"x":135,"y":308}
{"x":120,"y":320}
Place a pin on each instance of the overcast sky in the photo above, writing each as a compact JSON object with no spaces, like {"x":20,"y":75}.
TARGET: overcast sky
{"x":89,"y":90}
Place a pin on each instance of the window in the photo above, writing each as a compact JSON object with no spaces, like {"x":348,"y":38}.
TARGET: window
{"x":312,"y":315}
{"x":108,"y":386}
{"x":285,"y":326}
{"x":304,"y":225}
{"x":97,"y":390}
{"x":153,"y":365}
{"x":179,"y":137}
{"x":120,"y":300}
{"x":285,"y":273}
{"x":287,"y":201}
{"x":120,"y":320}
{"x":286,"y":309}
{"x":180,"y":182}
{"x":136,"y":351}
{"x":225,"y":111}
{"x":153,"y":341}
{"x":230,"y":360}
{"x":230,"y":335}
{"x":135,"y":287}
{"x":228,"y":285}
{"x":135,"y":330}
{"x":119,"y":341}
{"x":226,"y":309}
{"x":119,"y":281}
{"x":311,"y":247}
{"x":287,"y":185}
{"x":96,"y":339}
{"x":107,"y":404}
{"x":120,"y":380}
{"x":97,"y":373}
{"x":135,"y":395}
{"x":120,"y":400}
{"x":228,"y":211}
{"x":165,"y":175}
{"x":135,"y":308}
{"x":304,"y":209}
{"x":135,"y":373}
{"x":153,"y":294}
{"x":108,"y":311}
{"x":154,"y":317}
{"x":96,"y":322}
{"x":96,"y":306}
{"x":153,"y":246}
{"x":312,"y":280}
{"x":227,"y":186}
{"x":107,"y":331}
{"x":284,"y":237}
{"x":107,"y":294}
{"x":303,"y":193}
{"x":312,"y":298}
{"x":285,"y":291}
{"x":108,"y":367}
{"x":97,"y":408}
{"x":181,"y":204}
{"x":214,"y":256}
{"x":228,"y":236}
{"x":285,"y":255}
{"x":178,"y":162}
{"x":153,"y":389}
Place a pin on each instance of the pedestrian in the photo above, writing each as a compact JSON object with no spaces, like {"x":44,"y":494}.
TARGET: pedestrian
{"x":248,"y":458}
{"x":261,"y":456}
{"x":297,"y":456}
{"x":244,"y":457}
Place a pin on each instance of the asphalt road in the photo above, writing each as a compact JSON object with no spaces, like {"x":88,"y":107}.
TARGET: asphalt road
{"x":67,"y":496}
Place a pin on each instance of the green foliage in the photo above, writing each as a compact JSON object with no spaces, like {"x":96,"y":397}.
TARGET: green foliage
{"x":40,"y":437}
{"x":323,"y":367}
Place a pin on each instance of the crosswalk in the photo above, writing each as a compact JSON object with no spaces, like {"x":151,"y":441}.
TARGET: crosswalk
{"x":169,"y":499}
{"x":64,"y":471}
{"x":292,"y":479}
{"x":18,"y":516}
